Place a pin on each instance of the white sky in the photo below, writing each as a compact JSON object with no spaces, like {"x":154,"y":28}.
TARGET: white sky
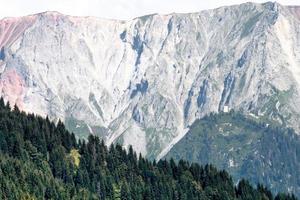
{"x":115,"y":9}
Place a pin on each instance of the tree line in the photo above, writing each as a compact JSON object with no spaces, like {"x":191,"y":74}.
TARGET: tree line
{"x":42,"y":160}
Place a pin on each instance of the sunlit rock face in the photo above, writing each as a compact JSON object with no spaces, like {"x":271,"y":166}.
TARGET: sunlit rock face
{"x":144,"y":81}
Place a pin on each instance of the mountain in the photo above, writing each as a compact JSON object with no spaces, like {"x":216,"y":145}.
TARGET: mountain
{"x":246,"y":147}
{"x":41,"y":160}
{"x":143,"y":82}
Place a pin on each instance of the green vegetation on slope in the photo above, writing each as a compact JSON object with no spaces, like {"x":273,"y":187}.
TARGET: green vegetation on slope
{"x":41,"y":160}
{"x":245,"y":148}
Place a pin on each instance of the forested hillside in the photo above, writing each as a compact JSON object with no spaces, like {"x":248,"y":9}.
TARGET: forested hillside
{"x":245,"y":146}
{"x":41,"y":160}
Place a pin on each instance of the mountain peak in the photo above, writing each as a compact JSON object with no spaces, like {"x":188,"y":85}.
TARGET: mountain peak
{"x":50,"y":13}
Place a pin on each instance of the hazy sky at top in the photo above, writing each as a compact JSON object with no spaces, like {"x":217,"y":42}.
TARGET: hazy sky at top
{"x":116,"y":9}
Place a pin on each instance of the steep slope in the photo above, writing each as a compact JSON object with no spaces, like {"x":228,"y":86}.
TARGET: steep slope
{"x":41,"y":160}
{"x":142,"y":82}
{"x":247,"y":148}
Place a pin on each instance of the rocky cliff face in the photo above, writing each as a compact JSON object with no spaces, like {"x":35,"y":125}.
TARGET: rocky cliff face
{"x":142,"y":82}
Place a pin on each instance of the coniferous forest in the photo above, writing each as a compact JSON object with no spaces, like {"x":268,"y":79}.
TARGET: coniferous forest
{"x":42,"y":160}
{"x":245,"y":146}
